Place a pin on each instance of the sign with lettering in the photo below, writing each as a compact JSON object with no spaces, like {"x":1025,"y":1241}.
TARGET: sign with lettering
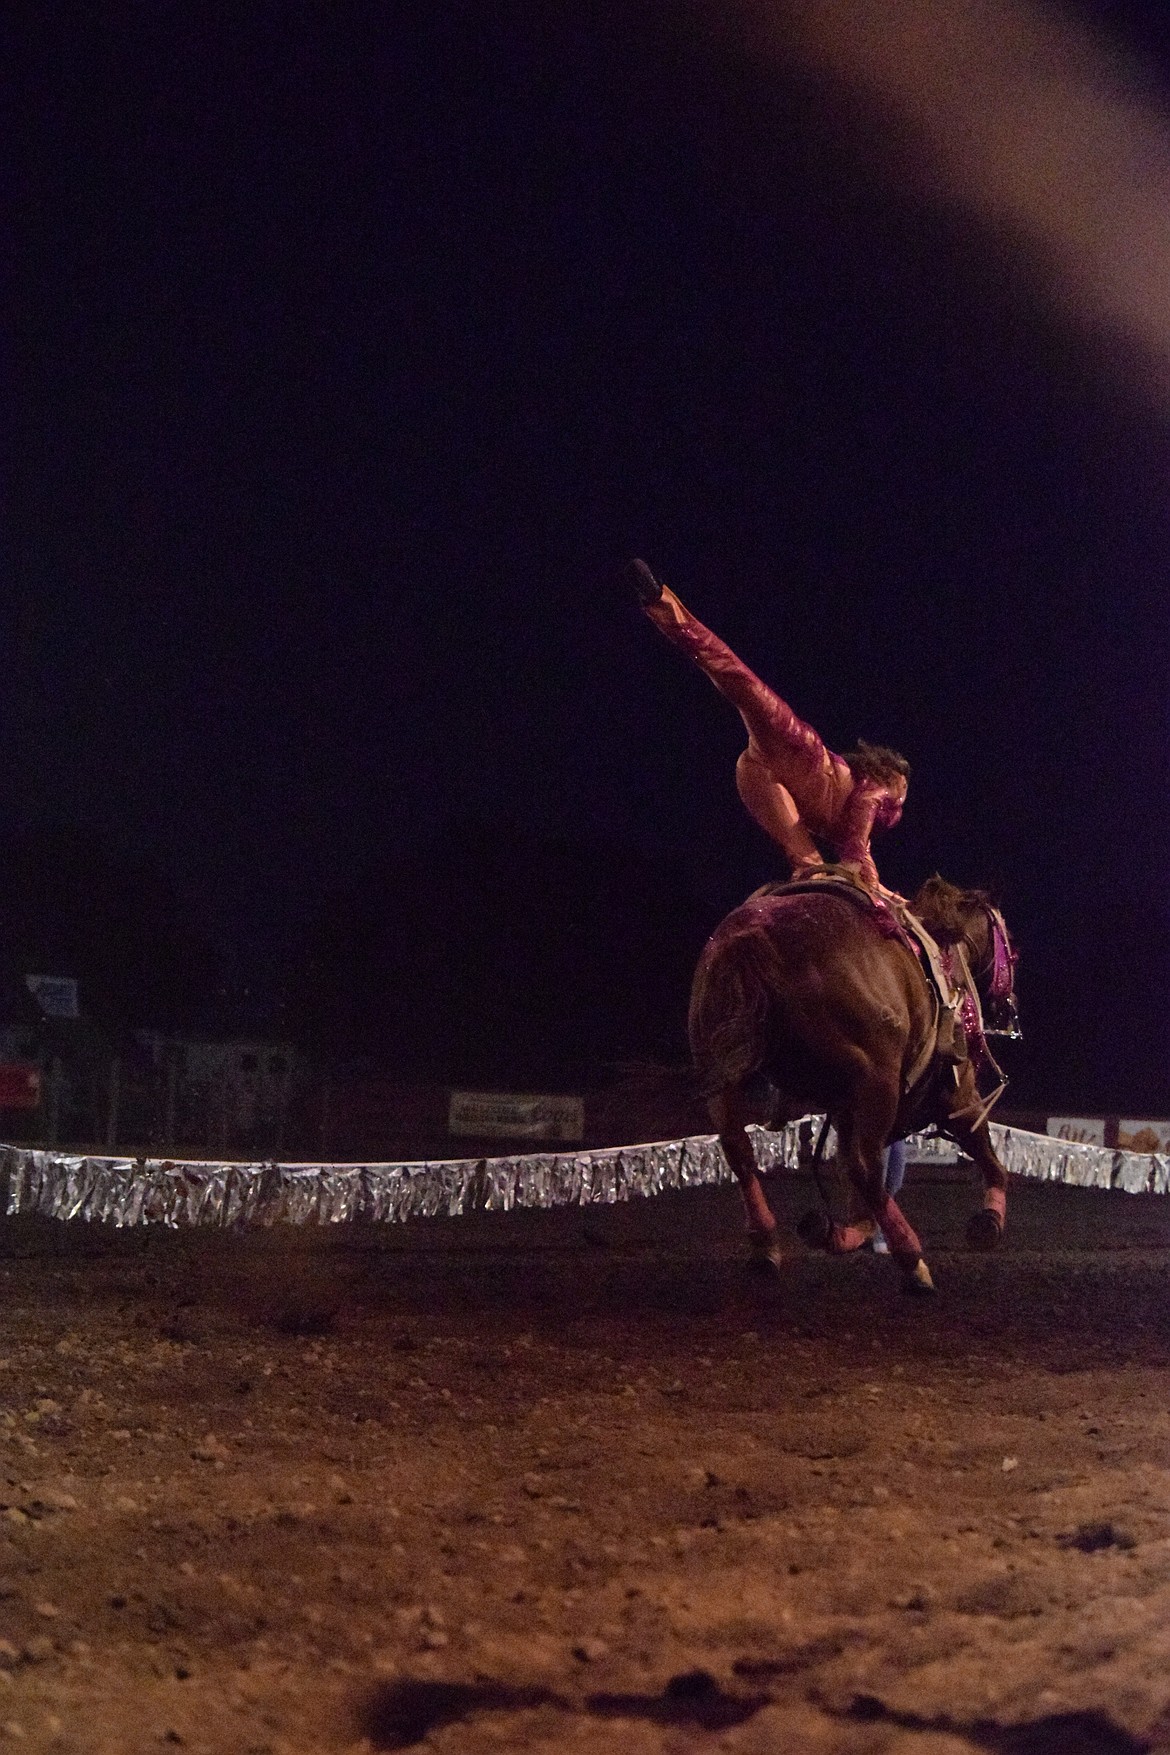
{"x":503,"y":1115}
{"x":1085,"y":1130}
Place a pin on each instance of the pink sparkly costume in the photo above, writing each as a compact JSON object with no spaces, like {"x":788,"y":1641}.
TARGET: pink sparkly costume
{"x":793,"y":786}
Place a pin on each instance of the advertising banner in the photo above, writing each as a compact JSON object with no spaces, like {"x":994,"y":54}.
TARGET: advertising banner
{"x":1086,"y":1130}
{"x":502,"y":1115}
{"x":1144,"y":1136}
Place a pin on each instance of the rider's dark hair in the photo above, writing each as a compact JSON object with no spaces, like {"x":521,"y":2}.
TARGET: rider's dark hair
{"x":873,"y":761}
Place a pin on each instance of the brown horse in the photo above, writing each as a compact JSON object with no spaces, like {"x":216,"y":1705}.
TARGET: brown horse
{"x":827,"y":1000}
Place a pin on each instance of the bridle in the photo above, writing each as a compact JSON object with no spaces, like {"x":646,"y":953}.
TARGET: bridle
{"x":995,"y":976}
{"x":987,"y":1005}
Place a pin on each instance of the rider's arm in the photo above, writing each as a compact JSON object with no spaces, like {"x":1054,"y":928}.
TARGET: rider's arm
{"x":772,"y":806}
{"x":852,"y":831}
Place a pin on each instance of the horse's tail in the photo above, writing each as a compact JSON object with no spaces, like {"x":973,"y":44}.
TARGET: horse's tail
{"x":731,"y":1001}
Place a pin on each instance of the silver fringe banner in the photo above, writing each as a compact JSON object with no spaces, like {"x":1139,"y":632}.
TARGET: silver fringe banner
{"x":1081,"y":1166}
{"x":165,"y":1191}
{"x":146,"y":1191}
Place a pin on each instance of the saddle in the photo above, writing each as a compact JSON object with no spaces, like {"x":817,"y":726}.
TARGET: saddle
{"x":948,"y":977}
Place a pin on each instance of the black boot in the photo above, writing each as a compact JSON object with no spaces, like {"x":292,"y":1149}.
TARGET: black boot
{"x":646,"y":587}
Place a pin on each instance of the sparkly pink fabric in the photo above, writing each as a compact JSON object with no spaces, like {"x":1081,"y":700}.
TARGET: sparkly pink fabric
{"x":833,"y":805}
{"x":968,"y":1011}
{"x":1001,"y":986}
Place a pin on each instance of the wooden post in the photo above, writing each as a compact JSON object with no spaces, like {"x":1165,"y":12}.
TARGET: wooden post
{"x":113,"y":1102}
{"x":170,"y":1120}
{"x":54,"y":1116}
{"x":282,"y":1106}
{"x":326,"y":1118}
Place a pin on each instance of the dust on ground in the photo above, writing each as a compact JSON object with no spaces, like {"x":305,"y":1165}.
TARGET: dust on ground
{"x":578,"y":1481}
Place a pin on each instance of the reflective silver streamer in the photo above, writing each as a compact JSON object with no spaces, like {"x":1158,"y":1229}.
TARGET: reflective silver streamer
{"x":165,"y":1191}
{"x":1081,"y":1166}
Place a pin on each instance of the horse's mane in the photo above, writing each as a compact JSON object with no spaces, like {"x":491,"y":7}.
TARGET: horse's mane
{"x":944,"y":909}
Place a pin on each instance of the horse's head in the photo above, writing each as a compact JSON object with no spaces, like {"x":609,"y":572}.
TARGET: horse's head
{"x":971,"y":919}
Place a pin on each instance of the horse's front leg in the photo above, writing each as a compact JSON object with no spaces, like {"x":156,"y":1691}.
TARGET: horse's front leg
{"x":862,"y":1138}
{"x":730,"y":1113}
{"x":986,"y":1227}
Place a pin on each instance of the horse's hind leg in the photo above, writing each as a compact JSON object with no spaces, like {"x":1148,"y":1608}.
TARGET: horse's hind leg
{"x":730,"y":1112}
{"x":862,"y":1136}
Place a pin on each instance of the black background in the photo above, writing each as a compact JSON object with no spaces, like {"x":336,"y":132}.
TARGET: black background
{"x":354,"y":345}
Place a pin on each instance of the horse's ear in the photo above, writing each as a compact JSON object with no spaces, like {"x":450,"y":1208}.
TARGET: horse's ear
{"x":930,"y":889}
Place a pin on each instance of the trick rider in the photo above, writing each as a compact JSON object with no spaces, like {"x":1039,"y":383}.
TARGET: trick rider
{"x":794,"y":787}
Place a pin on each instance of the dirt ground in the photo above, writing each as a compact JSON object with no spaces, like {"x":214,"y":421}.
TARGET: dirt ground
{"x":578,"y":1481}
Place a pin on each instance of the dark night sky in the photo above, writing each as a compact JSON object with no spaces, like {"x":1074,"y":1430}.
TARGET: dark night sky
{"x":354,"y":344}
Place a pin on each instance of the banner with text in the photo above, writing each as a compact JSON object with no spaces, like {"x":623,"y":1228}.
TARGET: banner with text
{"x":502,"y":1115}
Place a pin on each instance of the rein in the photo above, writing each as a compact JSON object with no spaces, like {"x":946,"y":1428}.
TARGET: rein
{"x":995,"y":974}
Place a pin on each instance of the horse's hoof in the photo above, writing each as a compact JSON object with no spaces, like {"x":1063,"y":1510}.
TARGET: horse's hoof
{"x":765,"y":1255}
{"x":984,"y":1230}
{"x":917,"y":1283}
{"x":815,"y":1229}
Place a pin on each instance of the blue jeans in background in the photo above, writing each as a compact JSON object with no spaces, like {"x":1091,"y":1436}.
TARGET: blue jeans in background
{"x":893,"y":1174}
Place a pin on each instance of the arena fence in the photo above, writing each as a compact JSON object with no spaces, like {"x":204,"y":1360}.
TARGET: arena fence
{"x":145,"y":1191}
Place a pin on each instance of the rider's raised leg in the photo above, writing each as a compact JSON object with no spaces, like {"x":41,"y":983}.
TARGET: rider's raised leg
{"x":786,"y":747}
{"x":730,"y":1113}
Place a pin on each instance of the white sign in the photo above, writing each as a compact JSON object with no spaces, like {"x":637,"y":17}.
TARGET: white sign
{"x":500,"y":1115}
{"x":55,"y":994}
{"x":1144,"y":1136}
{"x":1084,"y":1130}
